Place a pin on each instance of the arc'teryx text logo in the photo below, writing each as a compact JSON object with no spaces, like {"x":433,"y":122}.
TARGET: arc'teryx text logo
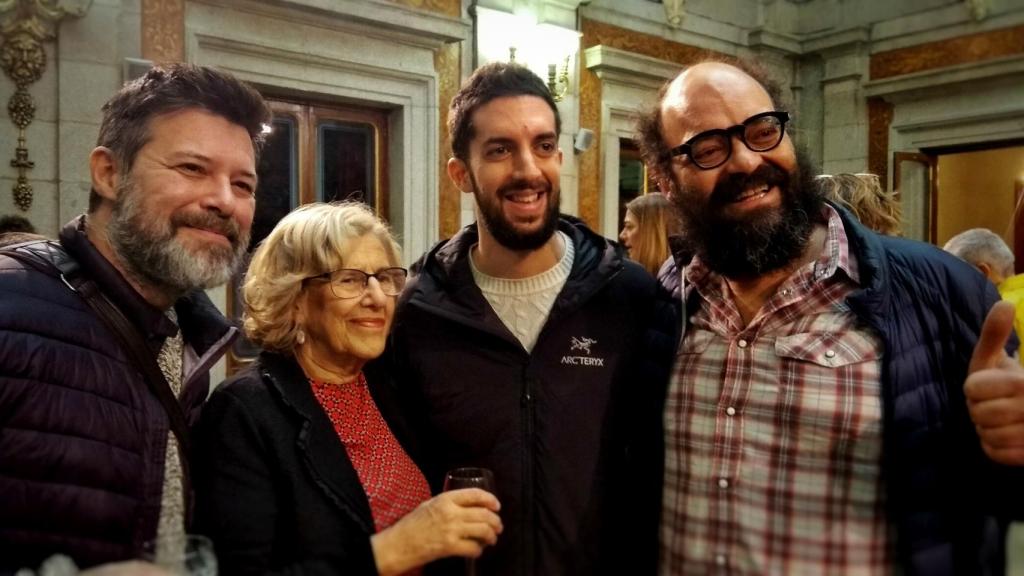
{"x":582,"y":344}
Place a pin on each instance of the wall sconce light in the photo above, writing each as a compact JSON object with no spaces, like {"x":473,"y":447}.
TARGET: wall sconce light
{"x":542,"y":47}
{"x":558,"y":82}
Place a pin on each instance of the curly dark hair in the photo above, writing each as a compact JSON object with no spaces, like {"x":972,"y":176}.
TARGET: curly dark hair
{"x":171,"y":88}
{"x":488,"y":82}
{"x":649,"y":139}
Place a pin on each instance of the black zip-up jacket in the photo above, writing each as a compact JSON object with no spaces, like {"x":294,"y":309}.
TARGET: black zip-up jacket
{"x":568,"y":428}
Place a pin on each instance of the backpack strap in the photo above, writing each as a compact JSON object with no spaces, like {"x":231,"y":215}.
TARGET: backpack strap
{"x":52,"y":259}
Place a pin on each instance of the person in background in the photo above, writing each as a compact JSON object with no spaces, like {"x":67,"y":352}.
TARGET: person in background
{"x":987,"y":252}
{"x":15,"y":229}
{"x":840,"y":402}
{"x":863,"y":195}
{"x":304,"y":463}
{"x":94,"y":450}
{"x":15,"y":223}
{"x":649,"y":223}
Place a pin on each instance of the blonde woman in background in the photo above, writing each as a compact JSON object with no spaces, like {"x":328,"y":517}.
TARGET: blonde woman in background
{"x":863,"y":195}
{"x":650,"y":220}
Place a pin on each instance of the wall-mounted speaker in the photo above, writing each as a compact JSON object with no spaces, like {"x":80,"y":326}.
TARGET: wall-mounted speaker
{"x":583,"y":141}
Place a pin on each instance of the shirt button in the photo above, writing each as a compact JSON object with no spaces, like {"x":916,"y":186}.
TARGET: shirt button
{"x":742,"y":343}
{"x":785,"y":292}
{"x":720,"y":560}
{"x":730,"y":411}
{"x":723,"y":483}
{"x":830,"y":354}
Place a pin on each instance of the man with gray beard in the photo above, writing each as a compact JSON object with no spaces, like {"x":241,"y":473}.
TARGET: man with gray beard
{"x":106,"y":335}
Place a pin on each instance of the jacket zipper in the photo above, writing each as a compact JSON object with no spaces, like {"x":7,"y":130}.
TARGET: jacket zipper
{"x":529,"y":534}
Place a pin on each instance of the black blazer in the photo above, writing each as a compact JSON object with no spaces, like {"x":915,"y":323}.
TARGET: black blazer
{"x":276,"y":491}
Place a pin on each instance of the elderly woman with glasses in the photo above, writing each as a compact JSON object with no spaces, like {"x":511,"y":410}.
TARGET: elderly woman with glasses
{"x":304,"y":462}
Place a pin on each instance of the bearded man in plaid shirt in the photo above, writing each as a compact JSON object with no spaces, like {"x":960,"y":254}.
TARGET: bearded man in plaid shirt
{"x":817,"y":420}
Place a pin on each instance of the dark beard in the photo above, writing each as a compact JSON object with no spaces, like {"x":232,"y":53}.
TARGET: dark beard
{"x":503,"y":231}
{"x":768,"y":240}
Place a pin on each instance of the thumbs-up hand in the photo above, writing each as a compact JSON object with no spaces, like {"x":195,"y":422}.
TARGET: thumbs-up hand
{"x":995,"y":390}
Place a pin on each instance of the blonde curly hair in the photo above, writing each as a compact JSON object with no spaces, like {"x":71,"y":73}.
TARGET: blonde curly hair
{"x":307,"y":242}
{"x":863,"y":195}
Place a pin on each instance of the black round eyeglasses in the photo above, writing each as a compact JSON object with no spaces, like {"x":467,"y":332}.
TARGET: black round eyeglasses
{"x":760,"y":133}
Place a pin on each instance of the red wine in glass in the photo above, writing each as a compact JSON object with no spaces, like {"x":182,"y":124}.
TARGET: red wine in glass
{"x":469,"y":477}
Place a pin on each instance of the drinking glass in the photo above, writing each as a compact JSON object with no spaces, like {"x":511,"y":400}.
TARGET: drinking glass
{"x":189,"y":555}
{"x":470,"y":477}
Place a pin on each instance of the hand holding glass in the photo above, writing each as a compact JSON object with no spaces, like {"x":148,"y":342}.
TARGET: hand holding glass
{"x":469,"y":477}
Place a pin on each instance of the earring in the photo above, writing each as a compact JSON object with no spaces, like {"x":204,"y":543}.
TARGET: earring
{"x":300,"y":337}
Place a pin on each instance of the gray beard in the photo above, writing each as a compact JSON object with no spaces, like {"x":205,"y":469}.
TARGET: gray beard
{"x":153,"y":256}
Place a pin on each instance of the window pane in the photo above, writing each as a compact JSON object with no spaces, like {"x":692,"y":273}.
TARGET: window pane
{"x":631,"y":175}
{"x":276,"y":195}
{"x":346,"y":162}
{"x":277,"y":192}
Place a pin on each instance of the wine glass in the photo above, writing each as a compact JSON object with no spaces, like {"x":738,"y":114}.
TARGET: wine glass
{"x":185,"y":555}
{"x":469,"y":477}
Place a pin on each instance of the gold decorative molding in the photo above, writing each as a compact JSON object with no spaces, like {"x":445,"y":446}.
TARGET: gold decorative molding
{"x":675,"y":12}
{"x":596,"y":32}
{"x":447,"y":64}
{"x":450,"y":7}
{"x":600,"y":33}
{"x":589,"y":168}
{"x":949,"y":52}
{"x":979,"y":9}
{"x":25,"y":25}
{"x":879,"y":119}
{"x":163,"y":30}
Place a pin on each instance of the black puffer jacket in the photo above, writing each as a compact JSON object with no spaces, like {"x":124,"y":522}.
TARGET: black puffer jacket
{"x":568,"y":428}
{"x":82,"y":440}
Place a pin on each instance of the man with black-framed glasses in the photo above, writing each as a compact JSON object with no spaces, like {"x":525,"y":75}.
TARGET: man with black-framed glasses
{"x":817,"y":420}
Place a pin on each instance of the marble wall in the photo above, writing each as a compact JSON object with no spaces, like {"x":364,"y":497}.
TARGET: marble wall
{"x":867,"y":78}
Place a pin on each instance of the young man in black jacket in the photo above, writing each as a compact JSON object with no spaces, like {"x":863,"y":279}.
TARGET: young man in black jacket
{"x":526,"y":347}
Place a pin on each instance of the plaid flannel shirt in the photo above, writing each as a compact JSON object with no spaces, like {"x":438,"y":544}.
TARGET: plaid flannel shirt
{"x":773,"y":430}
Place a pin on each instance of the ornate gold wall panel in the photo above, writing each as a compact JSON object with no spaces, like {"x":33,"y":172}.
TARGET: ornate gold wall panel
{"x":447,"y":63}
{"x":163,"y":30}
{"x":24,"y":26}
{"x":879,"y":120}
{"x":962,"y":50}
{"x":449,"y":7}
{"x":600,"y":33}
